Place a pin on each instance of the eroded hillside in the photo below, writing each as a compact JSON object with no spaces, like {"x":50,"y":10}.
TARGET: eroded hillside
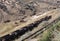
{"x":27,"y":19}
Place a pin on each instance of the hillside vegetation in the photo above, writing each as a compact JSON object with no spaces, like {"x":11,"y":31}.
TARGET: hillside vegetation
{"x":48,"y":34}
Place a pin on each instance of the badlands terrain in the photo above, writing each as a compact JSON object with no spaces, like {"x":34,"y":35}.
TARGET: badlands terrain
{"x":29,"y":20}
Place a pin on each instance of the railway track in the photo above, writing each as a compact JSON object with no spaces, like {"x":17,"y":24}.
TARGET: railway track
{"x":49,"y":17}
{"x":40,"y":31}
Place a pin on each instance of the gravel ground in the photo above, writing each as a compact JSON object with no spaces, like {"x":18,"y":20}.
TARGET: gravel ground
{"x":13,"y":10}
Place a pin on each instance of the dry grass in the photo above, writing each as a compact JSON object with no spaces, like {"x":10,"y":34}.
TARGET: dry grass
{"x":47,"y":35}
